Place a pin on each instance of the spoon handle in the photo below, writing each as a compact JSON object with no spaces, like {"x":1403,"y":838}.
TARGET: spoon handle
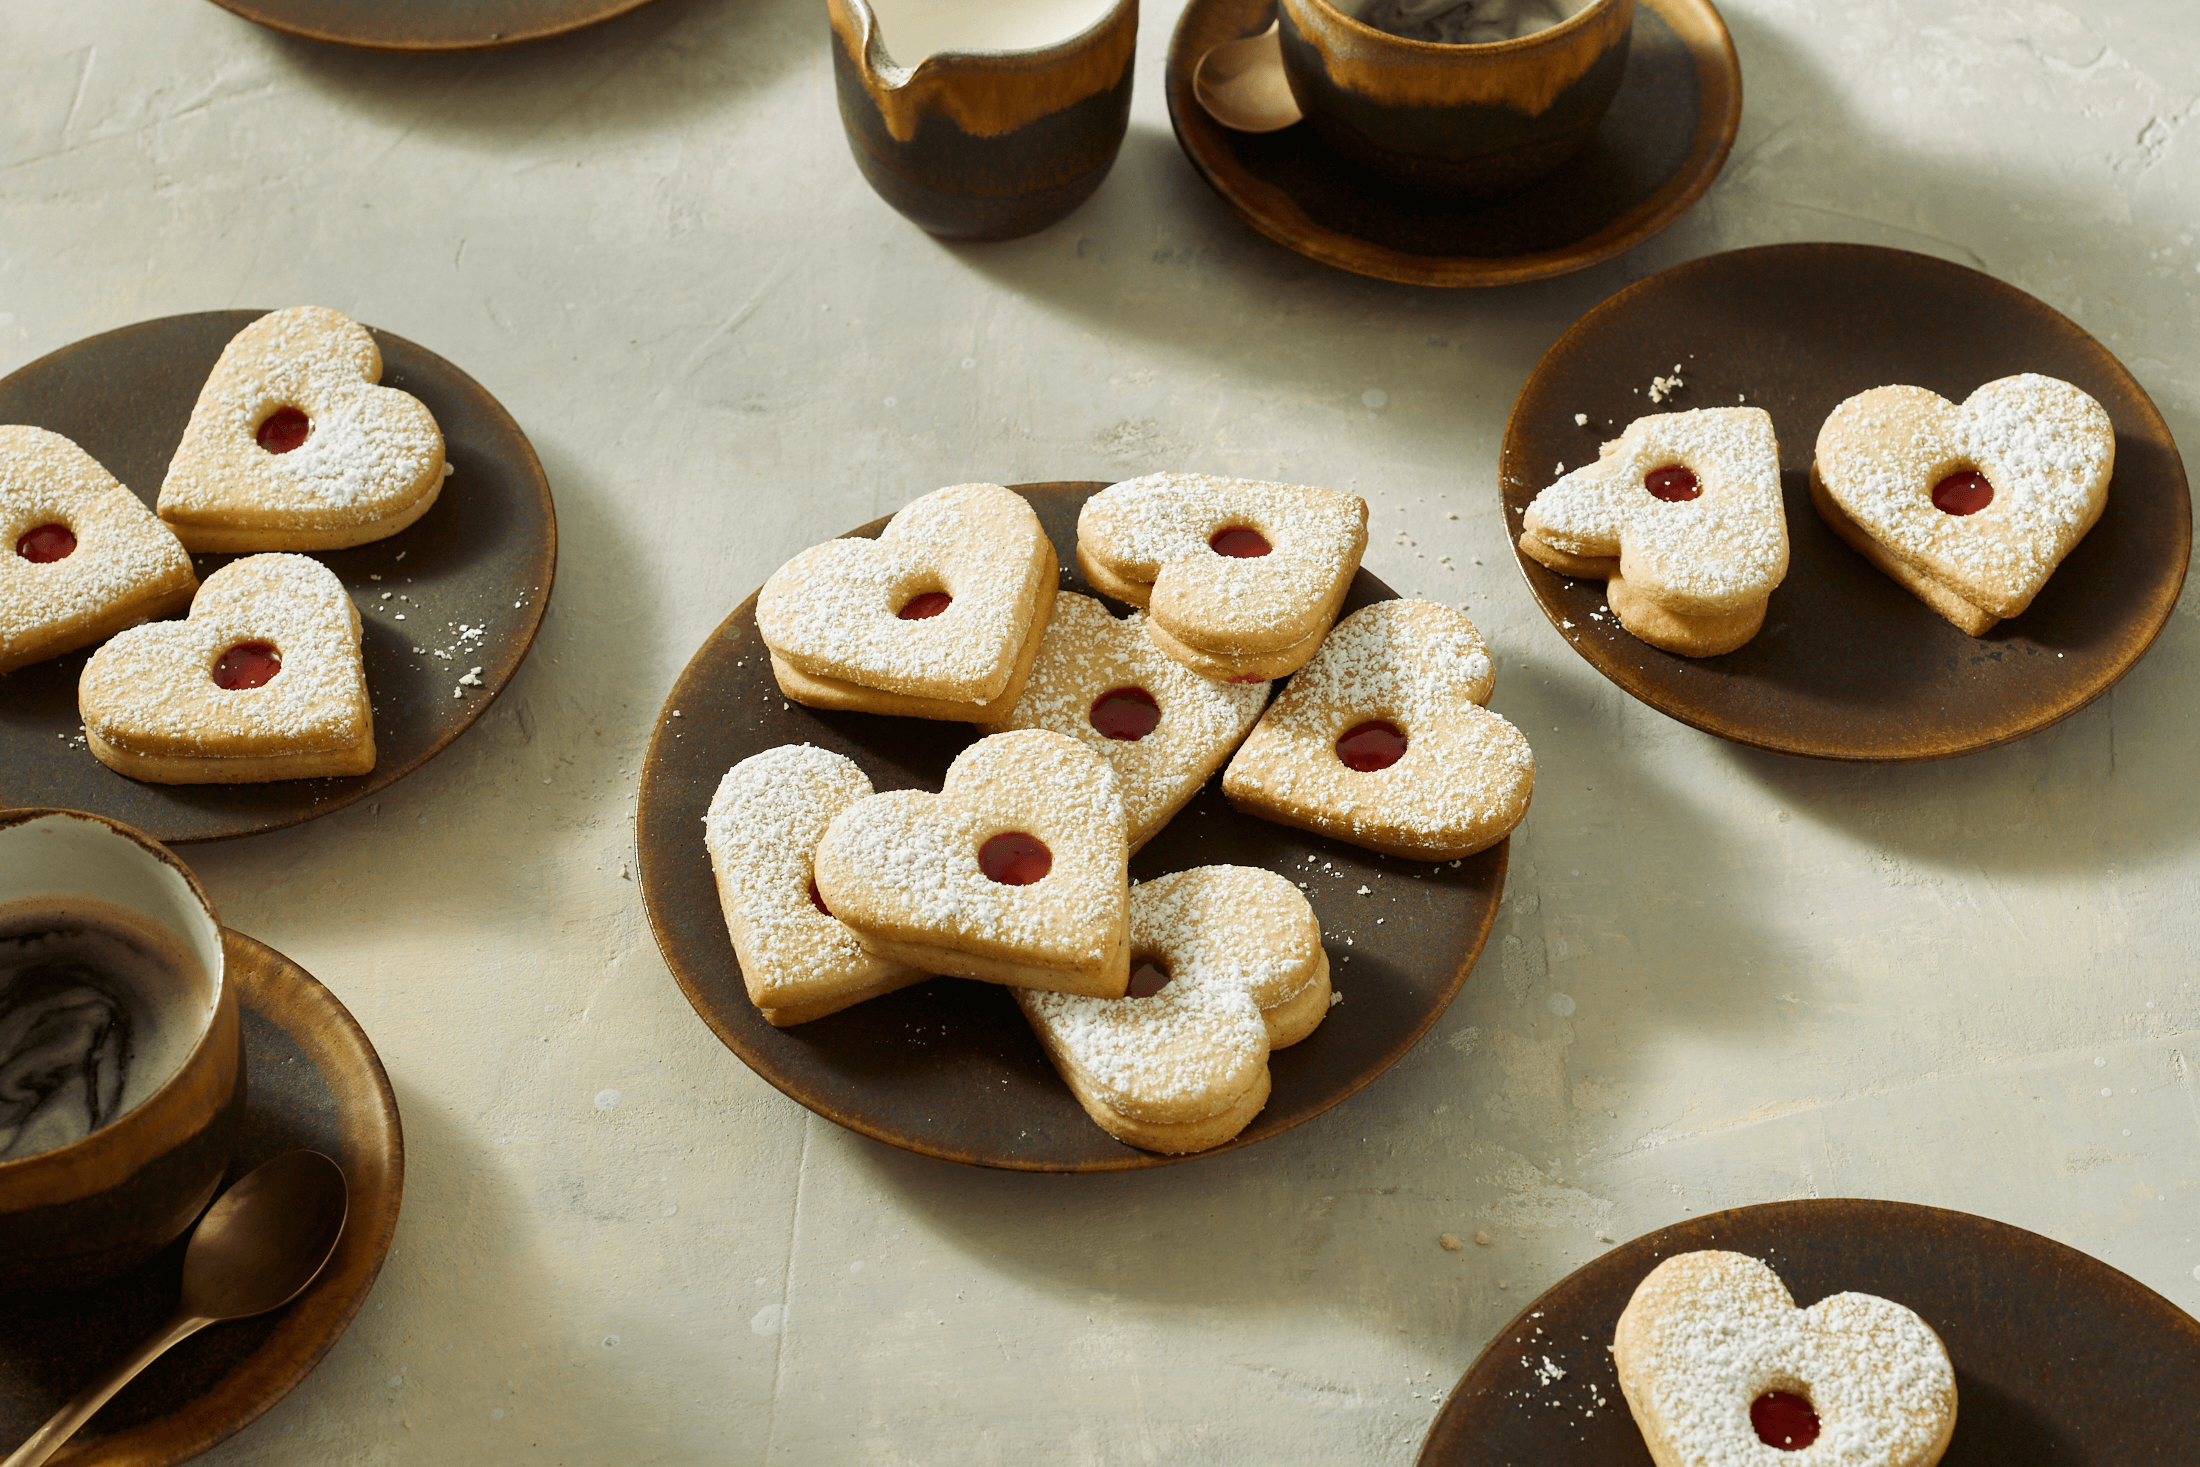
{"x":47,"y":1440}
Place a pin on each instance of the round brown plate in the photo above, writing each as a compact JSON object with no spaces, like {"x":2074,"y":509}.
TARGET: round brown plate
{"x":428,"y":25}
{"x":313,"y":1083}
{"x":949,"y":1068}
{"x":482,"y":558}
{"x":1849,"y":665}
{"x":1660,"y":146}
{"x":2060,"y":1360}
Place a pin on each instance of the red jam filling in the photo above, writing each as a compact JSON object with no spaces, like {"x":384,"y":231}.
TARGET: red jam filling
{"x":1964,"y":493}
{"x":1239,"y":543}
{"x":1015,"y":859}
{"x":1673,"y":484}
{"x":1125,"y":713}
{"x":925,"y":606}
{"x":248,"y":665}
{"x":46,"y":544}
{"x":285,"y":429}
{"x":1147,"y":979}
{"x":1371,"y":746}
{"x":818,"y":901}
{"x":1784,"y":1420}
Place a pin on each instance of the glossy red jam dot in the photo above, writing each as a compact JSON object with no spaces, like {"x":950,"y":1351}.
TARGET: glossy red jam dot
{"x":1015,"y":859}
{"x":1784,"y":1420}
{"x":1239,"y":543}
{"x":46,"y":544}
{"x":248,"y":665}
{"x":818,"y":901}
{"x":1673,"y":484}
{"x":1964,"y":493}
{"x":1147,"y":979}
{"x":285,"y":429}
{"x":1125,"y":713}
{"x":1371,"y":746}
{"x":925,"y":606}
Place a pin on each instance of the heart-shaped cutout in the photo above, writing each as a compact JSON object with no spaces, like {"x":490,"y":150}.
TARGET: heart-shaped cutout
{"x":1160,"y":726}
{"x":81,"y":557}
{"x":1681,"y":516}
{"x":294,"y":445}
{"x":262,"y":681}
{"x":762,"y":829}
{"x":1015,"y":872}
{"x":1718,"y":1365}
{"x":1973,"y":507}
{"x":1382,"y":740}
{"x":1238,"y":957}
{"x":1241,"y":577}
{"x":939,"y":617}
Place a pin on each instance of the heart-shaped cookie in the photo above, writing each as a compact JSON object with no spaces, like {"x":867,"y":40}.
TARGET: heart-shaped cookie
{"x":1681,"y":516}
{"x":263,"y":681}
{"x":81,"y":557}
{"x":1015,"y":872}
{"x":1719,"y":1366}
{"x":1241,"y":577}
{"x":1971,"y":508}
{"x":1227,"y":965}
{"x":1382,"y":740}
{"x":293,"y":445}
{"x":939,"y":617}
{"x":1162,"y":727}
{"x":798,"y":960}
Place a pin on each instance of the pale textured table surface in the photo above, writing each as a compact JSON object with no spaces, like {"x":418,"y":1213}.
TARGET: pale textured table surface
{"x":1719,"y":977}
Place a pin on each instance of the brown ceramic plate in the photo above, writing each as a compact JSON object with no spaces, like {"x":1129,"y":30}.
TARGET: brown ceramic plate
{"x":313,"y":1083}
{"x":2060,"y":1360}
{"x":1662,"y":143}
{"x":1849,"y":665}
{"x":428,"y":25}
{"x":481,"y":558}
{"x":949,"y":1068}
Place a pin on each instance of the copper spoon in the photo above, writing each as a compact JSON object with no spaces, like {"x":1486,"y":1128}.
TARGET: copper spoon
{"x":256,"y":1249}
{"x":1242,"y":85}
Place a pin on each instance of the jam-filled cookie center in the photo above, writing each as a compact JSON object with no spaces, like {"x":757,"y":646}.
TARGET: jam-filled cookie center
{"x":284,"y":429}
{"x":1784,"y":1420}
{"x":1965,"y":492}
{"x":1239,"y":542}
{"x":1015,"y":859}
{"x":924,"y":606}
{"x":46,"y":544}
{"x":248,"y":665}
{"x":1125,"y":713}
{"x":1148,"y":977}
{"x":1675,"y":484}
{"x":1370,"y":746}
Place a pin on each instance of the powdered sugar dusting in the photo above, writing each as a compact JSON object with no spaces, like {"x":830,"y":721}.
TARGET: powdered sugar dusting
{"x":1708,"y":1332}
{"x":1720,"y":551}
{"x":1087,"y":653}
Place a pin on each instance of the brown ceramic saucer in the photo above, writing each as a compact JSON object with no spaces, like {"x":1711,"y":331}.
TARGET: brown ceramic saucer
{"x":314,"y":1083}
{"x":1663,"y":141}
{"x":949,"y":1068}
{"x":2059,"y":1358}
{"x":1849,"y":665}
{"x":482,"y":557}
{"x":428,"y":25}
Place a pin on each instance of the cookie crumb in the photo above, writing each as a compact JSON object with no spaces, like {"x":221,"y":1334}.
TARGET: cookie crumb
{"x":1483,"y":1240}
{"x":1448,"y":1243}
{"x":1581,"y":420}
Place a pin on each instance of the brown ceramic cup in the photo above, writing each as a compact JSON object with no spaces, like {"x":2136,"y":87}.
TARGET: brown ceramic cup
{"x":984,"y":144}
{"x":1462,"y":120}
{"x":89,"y":1209}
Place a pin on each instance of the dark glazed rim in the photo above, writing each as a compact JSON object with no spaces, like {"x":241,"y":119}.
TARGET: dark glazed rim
{"x":368,"y":25}
{"x":1275,"y":214}
{"x":691,"y":936}
{"x":1710,"y":697}
{"x":2017,"y":1374}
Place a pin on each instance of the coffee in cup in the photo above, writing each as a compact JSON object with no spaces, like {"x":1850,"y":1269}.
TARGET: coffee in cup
{"x":1466,"y":22}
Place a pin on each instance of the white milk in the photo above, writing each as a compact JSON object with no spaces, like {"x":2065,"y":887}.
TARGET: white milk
{"x":915,"y":29}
